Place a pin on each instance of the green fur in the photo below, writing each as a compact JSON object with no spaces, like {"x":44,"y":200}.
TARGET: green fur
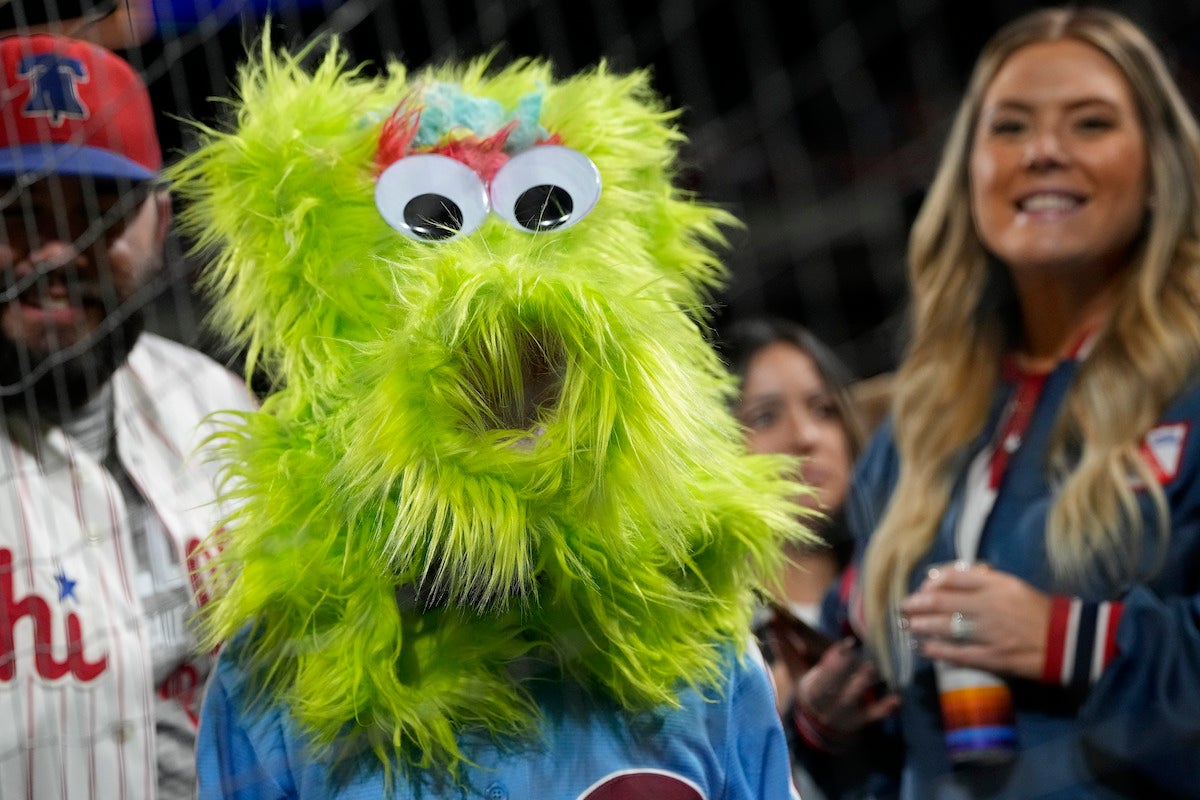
{"x":619,"y":546}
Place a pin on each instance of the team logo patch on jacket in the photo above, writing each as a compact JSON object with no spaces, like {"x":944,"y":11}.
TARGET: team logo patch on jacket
{"x":1163,"y":449}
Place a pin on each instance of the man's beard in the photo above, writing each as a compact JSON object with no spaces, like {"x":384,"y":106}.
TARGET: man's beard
{"x":37,"y":385}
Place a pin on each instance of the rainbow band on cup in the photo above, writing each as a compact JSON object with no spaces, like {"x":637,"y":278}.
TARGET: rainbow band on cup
{"x":978,"y":722}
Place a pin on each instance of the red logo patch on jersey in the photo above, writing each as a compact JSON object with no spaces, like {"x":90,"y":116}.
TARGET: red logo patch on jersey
{"x":643,"y":785}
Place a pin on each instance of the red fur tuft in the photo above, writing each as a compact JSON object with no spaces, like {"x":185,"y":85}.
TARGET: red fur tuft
{"x":397,"y":133}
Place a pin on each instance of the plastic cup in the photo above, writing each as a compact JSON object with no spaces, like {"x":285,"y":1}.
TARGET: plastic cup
{"x":977,"y":715}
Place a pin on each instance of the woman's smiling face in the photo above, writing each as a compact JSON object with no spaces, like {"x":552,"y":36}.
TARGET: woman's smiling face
{"x":1058,"y":164}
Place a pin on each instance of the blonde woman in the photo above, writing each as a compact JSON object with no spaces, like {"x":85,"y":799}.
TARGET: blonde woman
{"x":1042,"y":439}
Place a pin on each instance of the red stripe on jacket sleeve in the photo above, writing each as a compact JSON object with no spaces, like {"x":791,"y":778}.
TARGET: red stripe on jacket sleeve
{"x":1056,"y":639}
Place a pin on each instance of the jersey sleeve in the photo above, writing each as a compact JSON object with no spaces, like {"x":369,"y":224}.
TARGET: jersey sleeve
{"x":757,"y":761}
{"x":238,"y":756}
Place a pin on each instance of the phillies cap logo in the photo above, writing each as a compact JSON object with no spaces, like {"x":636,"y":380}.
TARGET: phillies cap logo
{"x":69,"y":107}
{"x":53,"y":87}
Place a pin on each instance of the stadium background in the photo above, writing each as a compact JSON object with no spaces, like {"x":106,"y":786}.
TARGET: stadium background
{"x":817,"y":122}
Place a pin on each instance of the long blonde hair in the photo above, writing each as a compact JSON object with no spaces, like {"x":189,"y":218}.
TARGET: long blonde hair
{"x":1146,"y":353}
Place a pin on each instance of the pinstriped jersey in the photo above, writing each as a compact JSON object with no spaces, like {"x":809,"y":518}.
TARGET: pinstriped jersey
{"x":77,"y":689}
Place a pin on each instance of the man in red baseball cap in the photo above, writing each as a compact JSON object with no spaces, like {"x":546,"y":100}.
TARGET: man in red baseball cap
{"x":78,"y":156}
{"x":104,"y":499}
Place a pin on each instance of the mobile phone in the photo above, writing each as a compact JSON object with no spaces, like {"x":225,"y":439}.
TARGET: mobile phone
{"x":807,"y":643}
{"x":789,"y":626}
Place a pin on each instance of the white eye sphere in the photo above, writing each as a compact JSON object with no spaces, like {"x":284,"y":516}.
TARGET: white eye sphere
{"x":546,"y":188}
{"x":431,"y":198}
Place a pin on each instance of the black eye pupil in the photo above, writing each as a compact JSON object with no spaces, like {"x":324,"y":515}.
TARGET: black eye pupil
{"x":433,"y":216}
{"x":543,"y":208}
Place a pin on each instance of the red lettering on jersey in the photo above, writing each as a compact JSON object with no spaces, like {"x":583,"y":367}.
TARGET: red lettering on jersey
{"x":181,"y":686}
{"x":643,"y":785}
{"x":38,"y":611}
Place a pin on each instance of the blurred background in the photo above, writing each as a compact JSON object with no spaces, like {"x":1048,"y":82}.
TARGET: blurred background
{"x":817,"y":122}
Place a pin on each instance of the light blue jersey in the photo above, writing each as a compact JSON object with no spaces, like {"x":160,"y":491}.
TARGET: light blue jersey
{"x":727,"y":745}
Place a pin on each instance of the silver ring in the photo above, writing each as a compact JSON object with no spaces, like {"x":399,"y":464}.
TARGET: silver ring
{"x":962,"y":627}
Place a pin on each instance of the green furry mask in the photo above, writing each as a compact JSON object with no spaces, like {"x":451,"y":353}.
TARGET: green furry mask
{"x":500,"y":437}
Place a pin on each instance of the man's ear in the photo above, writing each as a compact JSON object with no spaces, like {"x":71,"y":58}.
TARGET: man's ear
{"x":162,"y":203}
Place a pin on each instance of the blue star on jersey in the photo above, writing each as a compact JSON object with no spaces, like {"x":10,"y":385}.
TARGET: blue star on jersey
{"x":66,"y":586}
{"x":53,"y":92}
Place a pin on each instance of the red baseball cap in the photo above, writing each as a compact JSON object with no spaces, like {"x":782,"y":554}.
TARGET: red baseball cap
{"x":69,"y":107}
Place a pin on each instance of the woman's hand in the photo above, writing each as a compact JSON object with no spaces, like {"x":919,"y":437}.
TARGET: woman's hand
{"x":975,"y":616}
{"x":840,"y":692}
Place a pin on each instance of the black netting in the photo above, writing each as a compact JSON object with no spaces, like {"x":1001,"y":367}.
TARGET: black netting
{"x":816,"y":121}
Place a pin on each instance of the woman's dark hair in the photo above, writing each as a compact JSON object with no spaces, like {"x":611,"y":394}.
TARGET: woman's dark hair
{"x":744,"y":338}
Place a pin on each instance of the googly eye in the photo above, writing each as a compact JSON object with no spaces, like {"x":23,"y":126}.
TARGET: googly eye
{"x":548,"y":187}
{"x":431,"y":198}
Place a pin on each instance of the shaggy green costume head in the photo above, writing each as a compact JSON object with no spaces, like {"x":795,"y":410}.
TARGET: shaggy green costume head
{"x":501,"y":442}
